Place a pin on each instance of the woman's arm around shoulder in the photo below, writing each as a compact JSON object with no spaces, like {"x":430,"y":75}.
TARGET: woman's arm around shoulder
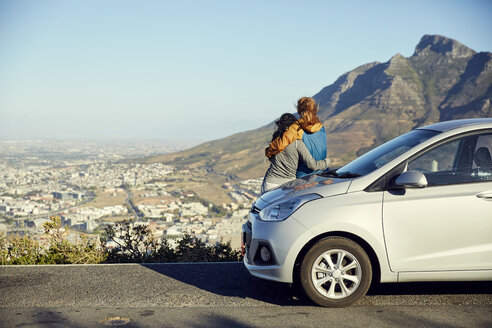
{"x":308,"y":159}
{"x":294,"y":132}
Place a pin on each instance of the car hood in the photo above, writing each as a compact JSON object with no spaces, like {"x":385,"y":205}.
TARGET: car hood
{"x":310,"y":184}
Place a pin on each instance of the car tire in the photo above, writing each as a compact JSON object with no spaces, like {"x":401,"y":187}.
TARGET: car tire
{"x":336,"y":272}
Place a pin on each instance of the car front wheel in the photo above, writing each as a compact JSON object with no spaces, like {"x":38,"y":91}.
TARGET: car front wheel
{"x":336,"y":272}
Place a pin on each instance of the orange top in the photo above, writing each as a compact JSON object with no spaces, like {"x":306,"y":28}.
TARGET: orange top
{"x":294,"y":132}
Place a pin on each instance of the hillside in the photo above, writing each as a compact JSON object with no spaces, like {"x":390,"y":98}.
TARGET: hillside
{"x":369,"y":105}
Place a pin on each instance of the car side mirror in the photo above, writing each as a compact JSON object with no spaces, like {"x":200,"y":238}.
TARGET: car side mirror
{"x":411,"y":179}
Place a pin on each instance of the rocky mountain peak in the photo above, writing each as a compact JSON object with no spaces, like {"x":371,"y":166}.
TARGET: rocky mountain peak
{"x":397,"y":59}
{"x":369,"y":105}
{"x":442,"y":46}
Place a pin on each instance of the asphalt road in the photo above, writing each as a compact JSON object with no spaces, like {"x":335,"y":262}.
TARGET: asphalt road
{"x":218,"y":295}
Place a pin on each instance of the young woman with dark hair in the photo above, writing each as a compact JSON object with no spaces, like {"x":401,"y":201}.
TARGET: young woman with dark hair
{"x":307,"y":128}
{"x":284,"y":165}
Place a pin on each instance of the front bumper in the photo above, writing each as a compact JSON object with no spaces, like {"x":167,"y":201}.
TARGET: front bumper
{"x":283,"y":240}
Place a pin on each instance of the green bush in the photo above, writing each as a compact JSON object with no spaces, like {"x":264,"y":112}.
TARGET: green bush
{"x":25,"y":250}
{"x":62,"y":251}
{"x":20,"y":250}
{"x":135,"y":244}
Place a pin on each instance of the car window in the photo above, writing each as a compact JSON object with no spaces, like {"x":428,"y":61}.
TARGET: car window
{"x":462,"y":160}
{"x":439,"y":159}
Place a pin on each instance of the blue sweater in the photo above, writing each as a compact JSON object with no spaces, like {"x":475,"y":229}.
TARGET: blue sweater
{"x":317,"y":145}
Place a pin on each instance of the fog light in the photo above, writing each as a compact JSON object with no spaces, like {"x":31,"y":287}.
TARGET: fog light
{"x":265,"y":254}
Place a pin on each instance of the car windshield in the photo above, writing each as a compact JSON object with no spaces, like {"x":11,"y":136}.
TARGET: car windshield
{"x":383,"y":154}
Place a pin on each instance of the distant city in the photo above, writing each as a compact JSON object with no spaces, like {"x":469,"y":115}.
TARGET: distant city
{"x":93,"y":184}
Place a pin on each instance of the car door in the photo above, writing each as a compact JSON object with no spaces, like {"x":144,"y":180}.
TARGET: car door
{"x":448,"y":224}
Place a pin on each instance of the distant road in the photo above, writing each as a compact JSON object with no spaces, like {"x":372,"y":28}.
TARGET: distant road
{"x":128,"y":199}
{"x":218,"y":295}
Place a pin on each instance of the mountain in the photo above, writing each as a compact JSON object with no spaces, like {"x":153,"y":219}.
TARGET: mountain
{"x":442,"y":80}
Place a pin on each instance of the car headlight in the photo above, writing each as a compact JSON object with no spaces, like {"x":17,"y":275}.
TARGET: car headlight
{"x":282,"y":210}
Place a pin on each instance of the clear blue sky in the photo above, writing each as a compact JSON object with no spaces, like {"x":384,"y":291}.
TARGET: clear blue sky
{"x":197,"y":69}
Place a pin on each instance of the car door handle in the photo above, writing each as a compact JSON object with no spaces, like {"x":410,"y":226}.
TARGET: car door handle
{"x":485,"y":195}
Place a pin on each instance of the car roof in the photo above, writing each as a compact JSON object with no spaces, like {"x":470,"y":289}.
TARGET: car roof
{"x":450,"y":125}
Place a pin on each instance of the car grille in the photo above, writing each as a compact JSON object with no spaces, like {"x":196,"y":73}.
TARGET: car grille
{"x":246,"y":239}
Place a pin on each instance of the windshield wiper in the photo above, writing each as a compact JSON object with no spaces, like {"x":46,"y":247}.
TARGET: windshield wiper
{"x":330,"y":173}
{"x":348,"y":175}
{"x":334,"y":174}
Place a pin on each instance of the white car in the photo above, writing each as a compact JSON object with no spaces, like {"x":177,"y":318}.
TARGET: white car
{"x":417,"y":208}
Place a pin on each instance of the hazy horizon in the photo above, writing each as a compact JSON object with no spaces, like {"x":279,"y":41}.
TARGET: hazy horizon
{"x":107,"y":140}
